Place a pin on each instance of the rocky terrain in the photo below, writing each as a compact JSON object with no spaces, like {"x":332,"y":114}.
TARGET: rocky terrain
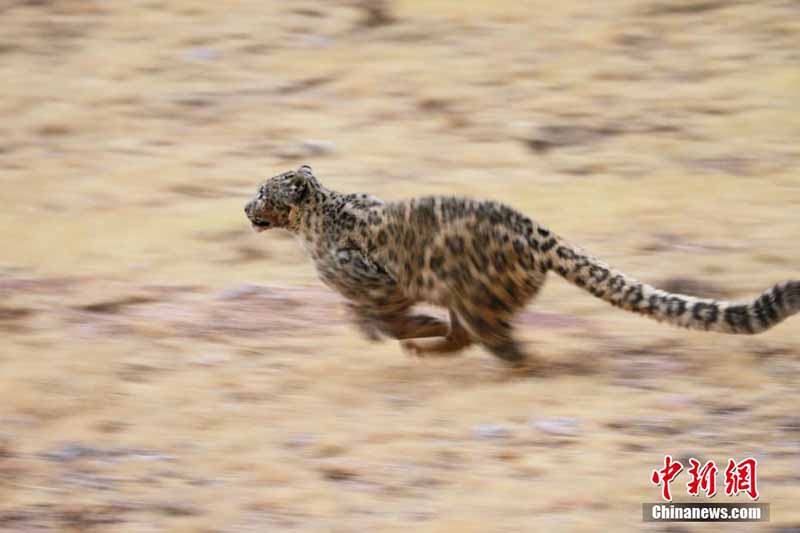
{"x":163,"y":368}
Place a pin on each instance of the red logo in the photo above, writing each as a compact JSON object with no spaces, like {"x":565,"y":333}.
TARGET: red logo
{"x":704,"y":478}
{"x":739,"y":477}
{"x":665,"y":476}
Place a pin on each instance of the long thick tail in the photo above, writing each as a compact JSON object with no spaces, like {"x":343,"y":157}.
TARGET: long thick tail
{"x":620,"y":290}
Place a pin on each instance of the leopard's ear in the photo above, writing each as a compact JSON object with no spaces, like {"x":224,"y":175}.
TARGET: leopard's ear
{"x":298,"y":188}
{"x":302,"y":183}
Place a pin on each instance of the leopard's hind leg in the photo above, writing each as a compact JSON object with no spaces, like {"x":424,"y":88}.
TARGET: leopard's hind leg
{"x":396,"y":320}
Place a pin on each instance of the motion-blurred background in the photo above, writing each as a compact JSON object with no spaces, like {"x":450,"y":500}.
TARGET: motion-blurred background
{"x":163,"y":368}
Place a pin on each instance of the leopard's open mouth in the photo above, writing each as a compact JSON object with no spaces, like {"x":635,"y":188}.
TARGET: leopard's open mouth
{"x":260,"y":225}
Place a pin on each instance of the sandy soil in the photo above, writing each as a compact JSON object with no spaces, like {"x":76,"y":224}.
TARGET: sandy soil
{"x":162,"y":368}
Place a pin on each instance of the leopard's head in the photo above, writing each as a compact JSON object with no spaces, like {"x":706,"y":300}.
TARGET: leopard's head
{"x":279,"y":199}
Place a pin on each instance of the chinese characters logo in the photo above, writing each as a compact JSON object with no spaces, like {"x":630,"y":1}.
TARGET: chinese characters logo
{"x":738,"y":477}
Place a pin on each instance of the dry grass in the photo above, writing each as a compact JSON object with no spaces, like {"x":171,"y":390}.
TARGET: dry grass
{"x":145,"y":386}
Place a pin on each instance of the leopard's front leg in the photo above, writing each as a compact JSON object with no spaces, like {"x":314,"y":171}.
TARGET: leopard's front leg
{"x":377,"y":301}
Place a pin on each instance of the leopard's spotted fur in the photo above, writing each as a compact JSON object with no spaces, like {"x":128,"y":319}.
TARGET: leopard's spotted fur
{"x":481,"y":260}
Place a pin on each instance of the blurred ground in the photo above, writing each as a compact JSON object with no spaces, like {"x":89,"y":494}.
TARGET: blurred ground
{"x":162,"y":368}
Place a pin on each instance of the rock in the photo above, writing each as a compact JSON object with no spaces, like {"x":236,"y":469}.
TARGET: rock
{"x":307,"y":149}
{"x":209,"y":359}
{"x":117,"y":305}
{"x":317,"y":147}
{"x":790,"y":424}
{"x":139,"y":455}
{"x":73,"y":451}
{"x":317,"y":41}
{"x":376,"y":13}
{"x":645,"y":426}
{"x":558,"y":425}
{"x":491,"y":431}
{"x":6,"y":450}
{"x":70,"y":452}
{"x":178,"y":509}
{"x":728,"y":409}
{"x":14,"y":313}
{"x":338,"y":471}
{"x":241,"y":291}
{"x":300,"y":440}
{"x":550,"y":137}
{"x":110,"y":426}
{"x":201,"y":54}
